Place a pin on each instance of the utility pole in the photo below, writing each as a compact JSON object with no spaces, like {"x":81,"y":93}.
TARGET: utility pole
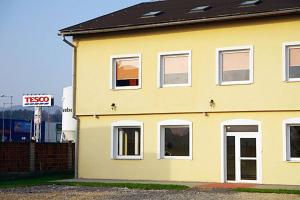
{"x":3,"y":109}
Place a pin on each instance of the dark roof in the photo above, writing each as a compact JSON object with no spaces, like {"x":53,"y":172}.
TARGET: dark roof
{"x":176,"y":12}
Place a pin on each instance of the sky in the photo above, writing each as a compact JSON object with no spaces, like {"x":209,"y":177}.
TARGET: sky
{"x":33,"y":58}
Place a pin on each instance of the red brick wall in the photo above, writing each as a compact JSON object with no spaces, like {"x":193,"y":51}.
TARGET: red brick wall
{"x":52,"y":157}
{"x":47,"y":157}
{"x":14,"y":157}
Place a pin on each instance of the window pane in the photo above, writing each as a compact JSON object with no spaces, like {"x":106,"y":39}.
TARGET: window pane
{"x":230,"y":158}
{"x":248,"y":170}
{"x":129,"y":141}
{"x":242,"y":128}
{"x":177,"y":141}
{"x":295,"y":141}
{"x":248,"y":147}
{"x":294,"y":62}
{"x":127,"y":72}
{"x":235,"y":65}
{"x":175,"y":69}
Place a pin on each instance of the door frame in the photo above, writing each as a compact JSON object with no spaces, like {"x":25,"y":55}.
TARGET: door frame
{"x":224,"y":151}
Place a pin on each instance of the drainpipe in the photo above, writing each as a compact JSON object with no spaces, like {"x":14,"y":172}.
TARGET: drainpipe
{"x":74,"y":68}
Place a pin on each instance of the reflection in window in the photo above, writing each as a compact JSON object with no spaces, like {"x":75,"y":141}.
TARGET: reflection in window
{"x":175,"y":69}
{"x":129,"y":141}
{"x":176,"y":141}
{"x":294,"y":62}
{"x":295,"y":141}
{"x":235,"y":65}
{"x":127,"y":72}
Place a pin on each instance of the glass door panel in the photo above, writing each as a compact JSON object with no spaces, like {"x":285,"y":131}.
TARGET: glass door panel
{"x":231,"y":158}
{"x":248,"y":170}
{"x":248,"y":158}
{"x":242,"y":159}
{"x":248,"y":147}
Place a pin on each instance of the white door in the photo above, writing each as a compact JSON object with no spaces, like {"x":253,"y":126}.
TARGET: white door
{"x":243,"y":157}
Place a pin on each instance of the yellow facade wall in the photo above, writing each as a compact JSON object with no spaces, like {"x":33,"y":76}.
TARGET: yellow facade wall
{"x":95,"y":148}
{"x":267,"y":93}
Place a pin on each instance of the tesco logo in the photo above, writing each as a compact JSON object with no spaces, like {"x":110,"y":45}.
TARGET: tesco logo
{"x":37,"y":100}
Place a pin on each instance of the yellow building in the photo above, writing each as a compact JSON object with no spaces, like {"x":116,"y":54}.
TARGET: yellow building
{"x":205,"y":91}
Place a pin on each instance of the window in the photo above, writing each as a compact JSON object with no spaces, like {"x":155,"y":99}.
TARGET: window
{"x":175,"y":139}
{"x":126,"y":72}
{"x":291,"y":58}
{"x":250,"y":3}
{"x":199,"y":9}
{"x":292,"y":140}
{"x":174,"y":69}
{"x":235,"y":65}
{"x":127,"y":139}
{"x":152,"y":14}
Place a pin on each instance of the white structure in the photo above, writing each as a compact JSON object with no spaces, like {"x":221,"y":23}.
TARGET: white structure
{"x":68,"y":122}
{"x":52,"y":132}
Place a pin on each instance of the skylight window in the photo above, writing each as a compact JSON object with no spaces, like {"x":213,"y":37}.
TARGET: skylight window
{"x":152,"y":14}
{"x":250,"y":3}
{"x":199,"y":9}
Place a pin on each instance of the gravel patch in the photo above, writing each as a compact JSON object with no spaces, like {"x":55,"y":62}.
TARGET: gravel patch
{"x":81,"y":193}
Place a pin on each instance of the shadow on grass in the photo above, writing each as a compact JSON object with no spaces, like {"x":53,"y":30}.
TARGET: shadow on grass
{"x":34,"y":180}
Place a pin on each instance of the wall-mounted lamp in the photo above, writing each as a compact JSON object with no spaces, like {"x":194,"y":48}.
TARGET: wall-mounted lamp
{"x":212,"y":103}
{"x":96,"y":116}
{"x":113,"y":106}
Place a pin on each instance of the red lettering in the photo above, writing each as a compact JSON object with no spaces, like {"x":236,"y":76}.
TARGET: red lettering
{"x":37,"y":99}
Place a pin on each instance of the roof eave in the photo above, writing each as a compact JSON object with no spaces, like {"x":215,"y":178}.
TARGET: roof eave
{"x":185,"y":22}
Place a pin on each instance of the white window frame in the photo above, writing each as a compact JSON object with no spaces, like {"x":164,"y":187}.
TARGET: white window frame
{"x":161,"y":143}
{"x":223,"y":152}
{"x":114,"y":139}
{"x":286,"y":139}
{"x":113,"y":71}
{"x":285,"y":62}
{"x":219,"y":69}
{"x":160,"y":69}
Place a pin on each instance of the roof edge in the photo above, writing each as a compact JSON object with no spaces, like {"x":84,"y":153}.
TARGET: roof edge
{"x":165,"y":24}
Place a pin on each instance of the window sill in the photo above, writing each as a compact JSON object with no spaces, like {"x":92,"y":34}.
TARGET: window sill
{"x":176,"y":85}
{"x":176,"y":158}
{"x":293,"y":80}
{"x":236,"y":83}
{"x":126,"y":88}
{"x":128,"y":158}
{"x":293,"y":161}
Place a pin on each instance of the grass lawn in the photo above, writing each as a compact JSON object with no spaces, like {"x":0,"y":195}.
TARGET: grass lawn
{"x":258,"y":190}
{"x":51,"y":180}
{"x":126,"y":185}
{"x":41,"y":180}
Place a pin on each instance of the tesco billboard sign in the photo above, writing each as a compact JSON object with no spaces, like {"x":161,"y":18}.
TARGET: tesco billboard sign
{"x":37,"y":100}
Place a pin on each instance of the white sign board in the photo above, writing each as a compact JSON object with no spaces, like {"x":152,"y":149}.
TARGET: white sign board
{"x":37,"y":100}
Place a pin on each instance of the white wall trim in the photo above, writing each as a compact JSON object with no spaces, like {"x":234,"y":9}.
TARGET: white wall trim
{"x":160,"y":83}
{"x":223,"y":149}
{"x":114,"y":141}
{"x":251,"y":65}
{"x":286,"y":140}
{"x":174,"y":122}
{"x":112,"y":71}
{"x":285,"y":62}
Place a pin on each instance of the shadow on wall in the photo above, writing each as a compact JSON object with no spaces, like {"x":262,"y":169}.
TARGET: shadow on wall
{"x":95,"y":159}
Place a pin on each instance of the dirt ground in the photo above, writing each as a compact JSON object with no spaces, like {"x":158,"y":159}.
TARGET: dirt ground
{"x":78,"y":193}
